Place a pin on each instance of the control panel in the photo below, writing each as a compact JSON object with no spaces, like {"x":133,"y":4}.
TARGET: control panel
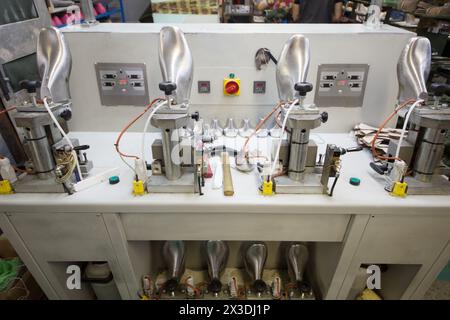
{"x":122,"y":84}
{"x":259,"y":87}
{"x":341,"y":85}
{"x":204,"y":86}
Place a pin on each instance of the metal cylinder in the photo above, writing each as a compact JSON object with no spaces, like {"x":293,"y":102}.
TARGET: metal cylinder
{"x":429,"y":154}
{"x":40,"y":151}
{"x":297,"y":153}
{"x":171,"y":151}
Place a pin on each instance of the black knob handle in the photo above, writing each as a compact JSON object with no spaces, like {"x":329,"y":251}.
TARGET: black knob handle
{"x":324,"y":116}
{"x":195,"y":116}
{"x":303,"y":88}
{"x":66,"y":114}
{"x":30,"y":85}
{"x":380,"y":169}
{"x":439,"y":89}
{"x":168,"y":87}
{"x":82,"y":147}
{"x":354,"y":149}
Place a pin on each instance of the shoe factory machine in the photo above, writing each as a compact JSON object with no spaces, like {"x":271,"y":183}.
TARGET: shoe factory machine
{"x":168,"y":229}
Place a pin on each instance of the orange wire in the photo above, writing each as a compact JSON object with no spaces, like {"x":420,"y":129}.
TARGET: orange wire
{"x":7,"y":109}
{"x":260,"y":124}
{"x":374,"y":151}
{"x":128,"y":126}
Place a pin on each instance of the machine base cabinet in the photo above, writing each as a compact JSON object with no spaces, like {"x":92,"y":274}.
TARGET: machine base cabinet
{"x":229,"y":255}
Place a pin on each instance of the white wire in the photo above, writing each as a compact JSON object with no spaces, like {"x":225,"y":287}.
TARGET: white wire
{"x":405,"y":125}
{"x":69,"y":142}
{"x":280,"y":139}
{"x":147,"y":123}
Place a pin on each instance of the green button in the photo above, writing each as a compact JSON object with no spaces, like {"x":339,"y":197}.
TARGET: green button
{"x":355,"y":181}
{"x":114,"y":180}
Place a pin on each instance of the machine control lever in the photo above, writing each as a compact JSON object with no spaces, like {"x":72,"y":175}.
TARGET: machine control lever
{"x":195,"y":116}
{"x":440,"y":89}
{"x":168,"y":87}
{"x":30,"y":85}
{"x":380,"y":169}
{"x":303,"y":88}
{"x":324,"y":116}
{"x":82,"y":147}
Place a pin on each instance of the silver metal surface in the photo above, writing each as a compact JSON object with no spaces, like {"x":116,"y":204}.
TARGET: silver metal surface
{"x":341,"y":85}
{"x":217,"y":252}
{"x":160,"y":184}
{"x":173,"y":253}
{"x":298,"y":153}
{"x":309,"y":185}
{"x":176,"y":62}
{"x":122,"y":84}
{"x":171,"y":152}
{"x":429,"y":154}
{"x":40,"y":151}
{"x":293,"y":66}
{"x":54,"y":63}
{"x":19,"y":39}
{"x":29,"y":184}
{"x":255,"y":257}
{"x":413,"y":69}
{"x":430,"y":118}
{"x":88,"y":11}
{"x":296,"y":258}
{"x":438,"y":185}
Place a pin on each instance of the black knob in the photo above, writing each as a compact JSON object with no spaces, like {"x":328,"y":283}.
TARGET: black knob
{"x":171,"y":285}
{"x":168,"y":87}
{"x":380,"y":169}
{"x":303,"y":287}
{"x":215,"y":286}
{"x":259,"y":286}
{"x":195,"y":116}
{"x":324,"y":116}
{"x":82,"y":147}
{"x":66,"y":114}
{"x":30,"y":85}
{"x":439,"y":89}
{"x":303,"y":88}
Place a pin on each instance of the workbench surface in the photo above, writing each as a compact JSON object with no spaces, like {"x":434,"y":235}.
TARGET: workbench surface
{"x":368,"y":198}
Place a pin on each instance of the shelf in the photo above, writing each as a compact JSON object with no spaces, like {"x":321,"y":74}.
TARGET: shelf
{"x":98,"y":17}
{"x":62,"y":9}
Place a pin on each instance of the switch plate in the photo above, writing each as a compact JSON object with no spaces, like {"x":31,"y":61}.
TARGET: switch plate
{"x":341,"y":85}
{"x":259,"y":87}
{"x":204,"y":87}
{"x":122,"y":84}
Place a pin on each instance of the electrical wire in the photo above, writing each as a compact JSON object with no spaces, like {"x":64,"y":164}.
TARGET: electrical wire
{"x":69,"y":142}
{"x":280,"y":139}
{"x":147,"y":123}
{"x":7,"y":110}
{"x":122,"y":132}
{"x":374,"y":151}
{"x":405,"y":125}
{"x":259,"y":126}
{"x":334,"y":184}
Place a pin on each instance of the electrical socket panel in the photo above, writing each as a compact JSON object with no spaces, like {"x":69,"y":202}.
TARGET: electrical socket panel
{"x":122,"y":84}
{"x":341,"y":85}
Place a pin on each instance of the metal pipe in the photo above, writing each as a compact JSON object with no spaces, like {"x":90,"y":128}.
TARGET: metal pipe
{"x":88,"y":10}
{"x":171,"y":152}
{"x":297,"y":153}
{"x":40,"y":151}
{"x":429,"y":154}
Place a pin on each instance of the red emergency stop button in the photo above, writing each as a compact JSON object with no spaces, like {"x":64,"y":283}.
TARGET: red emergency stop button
{"x":232,"y":87}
